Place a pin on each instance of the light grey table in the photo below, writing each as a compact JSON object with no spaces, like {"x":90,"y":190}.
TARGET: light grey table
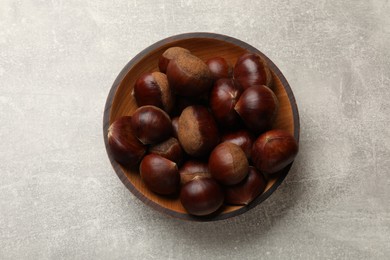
{"x":59,"y":196}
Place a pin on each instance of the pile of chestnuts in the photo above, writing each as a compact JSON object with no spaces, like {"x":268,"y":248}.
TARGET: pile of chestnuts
{"x":203,"y":131}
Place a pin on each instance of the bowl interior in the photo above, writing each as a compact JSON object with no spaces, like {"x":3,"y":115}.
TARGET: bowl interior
{"x":122,"y":103}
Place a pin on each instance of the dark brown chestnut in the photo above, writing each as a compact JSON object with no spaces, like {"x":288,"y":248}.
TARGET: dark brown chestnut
{"x":169,"y":55}
{"x":153,"y":89}
{"x":219,"y":68}
{"x":274,"y":150}
{"x":189,"y":76}
{"x":175,"y":127}
{"x":258,"y":107}
{"x":201,"y":196}
{"x":124,"y":145}
{"x":169,"y":149}
{"x":192,"y":169}
{"x":151,"y":124}
{"x":228,"y":164}
{"x":246,"y":191}
{"x":159,"y":174}
{"x":198,"y":133}
{"x":242,"y":138}
{"x":223,"y":98}
{"x":252,"y":70}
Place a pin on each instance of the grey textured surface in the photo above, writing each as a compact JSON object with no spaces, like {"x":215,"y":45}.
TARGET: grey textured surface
{"x":59,"y":196}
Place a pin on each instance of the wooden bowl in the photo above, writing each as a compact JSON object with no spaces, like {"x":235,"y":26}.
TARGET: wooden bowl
{"x":204,"y":45}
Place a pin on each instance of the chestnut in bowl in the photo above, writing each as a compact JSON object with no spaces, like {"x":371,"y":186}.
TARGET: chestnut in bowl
{"x":223,"y":98}
{"x":168,"y":55}
{"x":258,"y":107}
{"x":198,"y":132}
{"x":228,"y":163}
{"x":274,"y":150}
{"x":151,"y":124}
{"x":219,"y":68}
{"x":153,"y":89}
{"x":252,"y":70}
{"x":120,"y":103}
{"x":201,"y":196}
{"x":124,"y":144}
{"x":160,"y":174}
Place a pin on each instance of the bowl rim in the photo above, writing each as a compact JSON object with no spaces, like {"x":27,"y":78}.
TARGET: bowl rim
{"x":122,"y":176}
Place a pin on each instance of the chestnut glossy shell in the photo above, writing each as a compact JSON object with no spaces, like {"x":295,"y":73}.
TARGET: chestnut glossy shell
{"x":223,"y":98}
{"x":258,"y":107}
{"x":201,"y":196}
{"x":252,"y":70}
{"x":219,"y":68}
{"x":274,"y":150}
{"x":120,"y":103}
{"x":228,"y":163}
{"x":124,"y":145}
{"x":160,"y":174}
{"x":151,"y":124}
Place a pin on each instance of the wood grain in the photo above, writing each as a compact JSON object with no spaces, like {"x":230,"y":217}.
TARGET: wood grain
{"x":204,"y":45}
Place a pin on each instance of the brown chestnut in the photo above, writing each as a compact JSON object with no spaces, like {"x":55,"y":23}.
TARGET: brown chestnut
{"x":175,"y":127}
{"x":223,"y":98}
{"x":242,"y":138}
{"x":219,"y":68}
{"x":246,"y":191}
{"x":153,"y":89}
{"x":201,"y":196}
{"x":124,"y":145}
{"x":151,"y":124}
{"x":258,"y":107}
{"x":169,"y":149}
{"x":228,"y":164}
{"x":274,"y":150}
{"x":169,"y":55}
{"x":198,"y":133}
{"x":192,"y":169}
{"x":189,"y":76}
{"x":252,"y":70}
{"x":159,"y":174}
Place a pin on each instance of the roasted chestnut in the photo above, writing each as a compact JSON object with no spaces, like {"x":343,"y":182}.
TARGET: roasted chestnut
{"x":192,"y":169}
{"x":124,"y":145}
{"x":258,"y":107}
{"x":252,"y":70}
{"x":244,"y":192}
{"x":151,"y":124}
{"x":159,"y":174}
{"x":198,"y":133}
{"x":189,"y":76}
{"x":169,"y":55}
{"x":223,"y":98}
{"x":274,"y":150}
{"x":169,"y":149}
{"x":228,"y":164}
{"x":242,"y":138}
{"x":201,"y":196}
{"x":153,"y":89}
{"x":219,"y":68}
